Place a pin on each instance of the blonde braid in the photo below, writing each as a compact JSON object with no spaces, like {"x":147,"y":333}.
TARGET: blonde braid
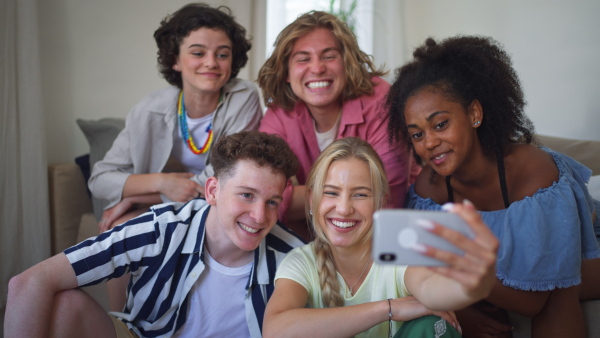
{"x":330,"y":286}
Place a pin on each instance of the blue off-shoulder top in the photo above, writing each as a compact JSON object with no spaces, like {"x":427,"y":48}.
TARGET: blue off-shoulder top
{"x":543,"y":238}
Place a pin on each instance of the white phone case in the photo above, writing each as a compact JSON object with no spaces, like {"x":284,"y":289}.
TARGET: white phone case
{"x":395,"y":231}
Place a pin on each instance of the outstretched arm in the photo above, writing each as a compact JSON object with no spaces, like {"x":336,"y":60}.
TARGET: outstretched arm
{"x":31,"y":294}
{"x":287,"y":316}
{"x":467,"y":278}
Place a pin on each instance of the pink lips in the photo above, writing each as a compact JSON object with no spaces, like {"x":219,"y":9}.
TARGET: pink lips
{"x":210,"y":74}
{"x":439,"y":158}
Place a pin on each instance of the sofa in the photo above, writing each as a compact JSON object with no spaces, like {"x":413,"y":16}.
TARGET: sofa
{"x":73,"y":220}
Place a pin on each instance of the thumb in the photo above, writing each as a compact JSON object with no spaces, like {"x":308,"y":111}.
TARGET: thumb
{"x":468,"y":204}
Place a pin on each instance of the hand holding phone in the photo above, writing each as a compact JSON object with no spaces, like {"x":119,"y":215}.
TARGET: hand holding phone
{"x":397,"y":231}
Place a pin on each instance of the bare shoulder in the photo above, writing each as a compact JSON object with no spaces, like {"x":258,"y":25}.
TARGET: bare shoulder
{"x":431,"y":185}
{"x":528,"y":169}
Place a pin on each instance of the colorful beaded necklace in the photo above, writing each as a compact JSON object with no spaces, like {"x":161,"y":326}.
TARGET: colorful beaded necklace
{"x":187,"y":136}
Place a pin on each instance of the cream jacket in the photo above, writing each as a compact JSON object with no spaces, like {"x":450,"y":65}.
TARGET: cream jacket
{"x":144,"y":146}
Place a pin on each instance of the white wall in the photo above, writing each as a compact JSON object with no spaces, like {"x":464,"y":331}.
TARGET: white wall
{"x":554,"y":45}
{"x":99,"y":57}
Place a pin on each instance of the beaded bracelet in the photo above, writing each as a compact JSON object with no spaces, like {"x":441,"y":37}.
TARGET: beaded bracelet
{"x":390,"y":318}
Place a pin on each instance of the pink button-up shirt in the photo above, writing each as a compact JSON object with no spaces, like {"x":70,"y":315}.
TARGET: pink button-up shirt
{"x":362,"y":117}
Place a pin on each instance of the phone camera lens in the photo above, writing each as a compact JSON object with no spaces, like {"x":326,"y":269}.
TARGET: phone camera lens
{"x":387,"y":257}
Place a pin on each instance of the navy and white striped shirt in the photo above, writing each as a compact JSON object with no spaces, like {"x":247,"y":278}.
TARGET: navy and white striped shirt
{"x":163,"y":250}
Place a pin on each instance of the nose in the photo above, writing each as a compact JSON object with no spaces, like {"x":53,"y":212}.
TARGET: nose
{"x":344,"y":206}
{"x":318,"y":67}
{"x":431,"y":140}
{"x":210,"y":61}
{"x":259,"y":214}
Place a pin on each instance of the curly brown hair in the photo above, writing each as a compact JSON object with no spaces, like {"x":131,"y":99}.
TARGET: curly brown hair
{"x":359,"y":67}
{"x":465,"y":68}
{"x":191,"y":17}
{"x":264,"y":149}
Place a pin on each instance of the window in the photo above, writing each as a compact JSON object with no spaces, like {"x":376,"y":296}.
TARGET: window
{"x":280,"y":13}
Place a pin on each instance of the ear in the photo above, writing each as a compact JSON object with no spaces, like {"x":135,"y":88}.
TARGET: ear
{"x":176,"y":66}
{"x":476,"y":113}
{"x":212,"y":190}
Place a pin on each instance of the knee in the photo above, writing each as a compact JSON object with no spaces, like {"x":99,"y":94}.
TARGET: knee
{"x":557,"y":300}
{"x":70,"y":301}
{"x":534,"y":305}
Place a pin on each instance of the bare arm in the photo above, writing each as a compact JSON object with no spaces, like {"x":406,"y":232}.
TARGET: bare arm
{"x":286,"y":315}
{"x":526,"y":303}
{"x":30,"y":296}
{"x":467,"y":278}
{"x":176,"y":186}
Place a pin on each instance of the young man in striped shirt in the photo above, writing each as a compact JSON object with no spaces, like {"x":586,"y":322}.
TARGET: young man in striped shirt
{"x":204,"y":268}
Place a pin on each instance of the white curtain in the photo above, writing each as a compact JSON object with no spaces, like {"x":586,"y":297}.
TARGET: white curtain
{"x":24,"y":215}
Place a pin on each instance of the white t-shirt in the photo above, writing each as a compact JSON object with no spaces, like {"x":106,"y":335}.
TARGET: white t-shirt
{"x":198,"y":128}
{"x":382,"y":282}
{"x":326,"y":138}
{"x":210,"y":314}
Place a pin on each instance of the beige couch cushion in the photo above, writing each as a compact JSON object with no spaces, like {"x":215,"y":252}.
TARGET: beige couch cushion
{"x":586,"y":152}
{"x":69,"y":200}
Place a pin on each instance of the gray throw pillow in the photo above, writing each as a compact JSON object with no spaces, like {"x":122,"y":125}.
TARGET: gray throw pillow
{"x":100,"y":135}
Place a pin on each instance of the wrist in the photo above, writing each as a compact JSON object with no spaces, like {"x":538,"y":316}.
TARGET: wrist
{"x":389,"y":316}
{"x":386,"y":307}
{"x":158,"y":180}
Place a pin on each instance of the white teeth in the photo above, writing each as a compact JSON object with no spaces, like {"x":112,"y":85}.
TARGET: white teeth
{"x":439,"y":157}
{"x":249,"y":229}
{"x":343,"y":224}
{"x":318,"y":84}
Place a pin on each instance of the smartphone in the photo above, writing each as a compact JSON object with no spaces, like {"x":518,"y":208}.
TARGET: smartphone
{"x":395,"y":231}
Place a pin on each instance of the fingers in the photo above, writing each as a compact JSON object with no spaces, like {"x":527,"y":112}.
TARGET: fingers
{"x":482,"y":247}
{"x":450,"y":317}
{"x":106,"y":220}
{"x":183,"y":190}
{"x":185,"y":175}
{"x":103,"y":225}
{"x":475,"y":268}
{"x":467,"y":212}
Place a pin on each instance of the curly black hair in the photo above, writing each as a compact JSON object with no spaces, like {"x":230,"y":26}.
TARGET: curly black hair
{"x":176,"y":27}
{"x":465,"y":68}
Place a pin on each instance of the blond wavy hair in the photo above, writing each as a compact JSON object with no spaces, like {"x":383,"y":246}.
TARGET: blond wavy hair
{"x":359,"y":67}
{"x":342,"y":149}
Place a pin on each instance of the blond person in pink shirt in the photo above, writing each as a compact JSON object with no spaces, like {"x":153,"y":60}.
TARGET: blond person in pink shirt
{"x":319,"y":87}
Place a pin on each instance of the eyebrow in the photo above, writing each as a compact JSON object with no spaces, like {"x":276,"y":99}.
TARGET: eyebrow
{"x":203,"y":46}
{"x":428,"y":118}
{"x":326,"y":50}
{"x":243,"y":187}
{"x":353,"y":189}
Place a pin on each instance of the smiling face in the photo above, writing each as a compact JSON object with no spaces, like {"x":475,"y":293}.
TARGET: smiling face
{"x":316,"y":71}
{"x":204,"y":60}
{"x":442,"y":131}
{"x":245,"y":207}
{"x":347,"y":206}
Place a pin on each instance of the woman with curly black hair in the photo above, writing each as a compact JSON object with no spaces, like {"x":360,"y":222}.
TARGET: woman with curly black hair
{"x":459,"y":106}
{"x":163,"y":152}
